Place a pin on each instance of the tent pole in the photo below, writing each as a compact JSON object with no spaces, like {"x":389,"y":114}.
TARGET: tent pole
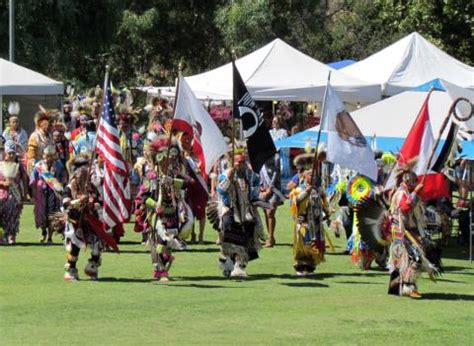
{"x":1,"y":114}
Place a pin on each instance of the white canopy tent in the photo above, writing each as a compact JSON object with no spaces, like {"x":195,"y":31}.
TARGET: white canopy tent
{"x":16,"y":82}
{"x":390,"y":120}
{"x":408,"y":63}
{"x":394,"y":116}
{"x":278,"y":71}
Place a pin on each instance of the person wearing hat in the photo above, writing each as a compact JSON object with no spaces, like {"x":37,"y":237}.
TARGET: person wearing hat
{"x":236,"y":219}
{"x":309,"y":208}
{"x":47,"y":180}
{"x":39,"y":139}
{"x":13,"y":184}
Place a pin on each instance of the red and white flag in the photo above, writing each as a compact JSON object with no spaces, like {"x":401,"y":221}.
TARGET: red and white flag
{"x":420,"y":144}
{"x":116,"y":195}
{"x":191,"y":117}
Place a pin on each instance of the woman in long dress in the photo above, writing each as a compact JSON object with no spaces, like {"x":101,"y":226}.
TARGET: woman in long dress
{"x":12,"y":187}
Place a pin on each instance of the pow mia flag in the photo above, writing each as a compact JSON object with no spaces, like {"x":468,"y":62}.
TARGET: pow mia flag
{"x":260,"y":145}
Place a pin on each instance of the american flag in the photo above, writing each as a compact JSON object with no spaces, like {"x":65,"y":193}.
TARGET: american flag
{"x":116,"y":195}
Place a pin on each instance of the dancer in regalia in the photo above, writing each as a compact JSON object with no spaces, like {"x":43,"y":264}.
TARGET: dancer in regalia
{"x":82,"y":206}
{"x":409,"y":241}
{"x":47,"y":181}
{"x":161,"y":209}
{"x":236,"y":217}
{"x":308,"y":203}
{"x":13,"y":187}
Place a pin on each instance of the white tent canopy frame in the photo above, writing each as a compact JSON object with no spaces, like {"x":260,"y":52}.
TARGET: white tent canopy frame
{"x":18,"y":80}
{"x":394,"y":116}
{"x":410,"y":62}
{"x":391,"y":119}
{"x":280,"y":72}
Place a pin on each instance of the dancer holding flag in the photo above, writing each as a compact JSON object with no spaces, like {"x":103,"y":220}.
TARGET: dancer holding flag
{"x":202,"y":143}
{"x":234,"y":213}
{"x":92,"y":214}
{"x":412,"y":250}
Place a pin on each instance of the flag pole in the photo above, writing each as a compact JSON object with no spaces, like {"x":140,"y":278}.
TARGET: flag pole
{"x":452,"y":110}
{"x":170,"y":138}
{"x":93,"y":154}
{"x":315,"y":159}
{"x":104,"y":98}
{"x":234,"y":108}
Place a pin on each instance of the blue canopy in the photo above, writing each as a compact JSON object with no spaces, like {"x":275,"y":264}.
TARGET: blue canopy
{"x":437,"y":84}
{"x":337,"y":65}
{"x":393,"y":144}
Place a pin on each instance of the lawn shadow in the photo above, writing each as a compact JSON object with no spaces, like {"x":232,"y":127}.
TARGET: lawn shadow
{"x":203,"y":250}
{"x":456,"y":251}
{"x":27,"y":244}
{"x":251,"y":277}
{"x":282,"y":245}
{"x":125,"y":280}
{"x":170,"y":283}
{"x":129,"y":242}
{"x":357,"y":274}
{"x":447,"y":296}
{"x":359,"y":283}
{"x":305,"y":284}
{"x":457,"y":270}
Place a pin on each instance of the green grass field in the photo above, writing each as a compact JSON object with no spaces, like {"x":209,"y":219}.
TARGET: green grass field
{"x":341,"y":305}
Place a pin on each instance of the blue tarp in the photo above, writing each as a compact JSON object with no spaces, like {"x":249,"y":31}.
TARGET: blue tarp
{"x":301,"y":140}
{"x":437,"y":84}
{"x":337,"y":65}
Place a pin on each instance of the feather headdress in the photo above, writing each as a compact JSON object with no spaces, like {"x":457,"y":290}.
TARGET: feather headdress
{"x":304,"y":160}
{"x":405,"y":171}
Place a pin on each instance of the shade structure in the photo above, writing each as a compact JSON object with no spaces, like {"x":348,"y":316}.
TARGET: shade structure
{"x":18,"y":80}
{"x":390,"y":120}
{"x":409,"y":62}
{"x":278,"y":71}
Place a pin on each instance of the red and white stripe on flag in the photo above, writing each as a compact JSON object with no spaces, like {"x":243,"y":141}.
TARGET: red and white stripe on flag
{"x":420,"y":143}
{"x":116,"y":193}
{"x":191,"y":117}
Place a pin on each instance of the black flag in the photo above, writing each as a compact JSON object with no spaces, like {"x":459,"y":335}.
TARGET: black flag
{"x":446,"y":148}
{"x":259,"y":142}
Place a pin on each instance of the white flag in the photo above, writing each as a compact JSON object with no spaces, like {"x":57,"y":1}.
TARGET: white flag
{"x":191,"y":117}
{"x":346,"y":145}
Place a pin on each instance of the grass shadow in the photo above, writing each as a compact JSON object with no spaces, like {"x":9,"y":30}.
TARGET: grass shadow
{"x":170,"y":283}
{"x":201,"y":250}
{"x":447,"y":296}
{"x":456,"y":251}
{"x":453,"y":281}
{"x":305,"y":284}
{"x":125,"y":280}
{"x":356,"y":274}
{"x":27,"y":244}
{"x":359,"y":283}
{"x":129,"y":242}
